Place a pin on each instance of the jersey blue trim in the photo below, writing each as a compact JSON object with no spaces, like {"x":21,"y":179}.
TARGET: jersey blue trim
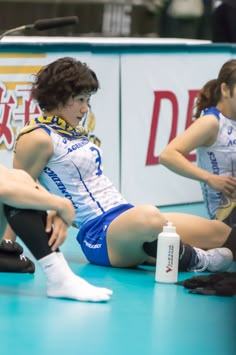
{"x":212,"y":111}
{"x":46,"y":129}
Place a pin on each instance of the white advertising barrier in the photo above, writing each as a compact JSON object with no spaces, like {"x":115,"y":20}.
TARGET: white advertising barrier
{"x":145,"y":100}
{"x":16,"y":107}
{"x":157,"y":95}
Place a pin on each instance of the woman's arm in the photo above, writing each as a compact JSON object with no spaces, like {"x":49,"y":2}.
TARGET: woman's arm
{"x":32,"y":152}
{"x":202,"y":133}
{"x":18,"y":189}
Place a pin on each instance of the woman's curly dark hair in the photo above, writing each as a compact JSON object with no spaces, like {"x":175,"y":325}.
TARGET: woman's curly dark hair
{"x":66,"y":77}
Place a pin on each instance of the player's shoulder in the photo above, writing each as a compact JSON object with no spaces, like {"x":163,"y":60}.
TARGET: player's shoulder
{"x":209,"y":119}
{"x":34,"y":140}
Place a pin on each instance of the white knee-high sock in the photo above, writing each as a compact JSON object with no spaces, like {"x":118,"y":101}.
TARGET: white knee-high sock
{"x":63,"y":283}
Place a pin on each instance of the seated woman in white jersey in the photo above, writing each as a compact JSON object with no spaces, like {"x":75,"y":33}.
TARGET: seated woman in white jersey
{"x":213,"y":135}
{"x":55,"y":149}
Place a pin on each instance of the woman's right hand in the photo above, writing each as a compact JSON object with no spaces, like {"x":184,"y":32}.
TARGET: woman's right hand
{"x":222,"y":183}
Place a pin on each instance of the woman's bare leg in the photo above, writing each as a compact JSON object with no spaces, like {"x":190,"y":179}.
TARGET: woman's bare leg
{"x":199,"y":232}
{"x":127,"y":233}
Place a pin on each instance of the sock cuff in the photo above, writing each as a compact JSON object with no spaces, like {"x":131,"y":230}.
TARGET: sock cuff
{"x":49,"y":260}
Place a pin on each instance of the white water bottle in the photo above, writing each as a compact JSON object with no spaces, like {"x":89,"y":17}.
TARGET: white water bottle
{"x":167,"y":261}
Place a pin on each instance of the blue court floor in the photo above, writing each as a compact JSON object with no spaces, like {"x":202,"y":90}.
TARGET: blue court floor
{"x":142,"y":317}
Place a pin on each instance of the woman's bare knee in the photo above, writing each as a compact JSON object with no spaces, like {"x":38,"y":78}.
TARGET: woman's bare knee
{"x":128,"y":232}
{"x":150,"y":221}
{"x":220,"y":233}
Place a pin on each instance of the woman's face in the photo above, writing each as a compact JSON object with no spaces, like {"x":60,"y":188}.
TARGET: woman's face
{"x":231,"y":103}
{"x":227,"y":103}
{"x":74,"y":110}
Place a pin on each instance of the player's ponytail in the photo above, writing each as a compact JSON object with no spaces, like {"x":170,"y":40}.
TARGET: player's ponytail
{"x":208,"y":96}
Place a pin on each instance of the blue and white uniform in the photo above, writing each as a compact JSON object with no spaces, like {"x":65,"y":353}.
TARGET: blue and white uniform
{"x":75,"y":171}
{"x":219,"y":159}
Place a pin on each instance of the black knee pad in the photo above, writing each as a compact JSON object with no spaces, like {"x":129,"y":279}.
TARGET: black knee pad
{"x":11,"y":211}
{"x":29,"y":225}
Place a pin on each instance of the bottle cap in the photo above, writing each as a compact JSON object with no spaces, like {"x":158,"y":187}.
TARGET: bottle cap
{"x":170,"y":228}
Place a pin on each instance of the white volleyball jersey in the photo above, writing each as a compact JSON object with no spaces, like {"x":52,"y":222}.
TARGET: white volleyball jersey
{"x":219,"y":158}
{"x":75,"y":171}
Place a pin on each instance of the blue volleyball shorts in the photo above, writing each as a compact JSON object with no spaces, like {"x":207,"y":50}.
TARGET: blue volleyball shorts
{"x":92,"y":235}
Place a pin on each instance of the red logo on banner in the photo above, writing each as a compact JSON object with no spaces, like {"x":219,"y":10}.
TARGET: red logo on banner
{"x":28,"y":108}
{"x":7,"y":103}
{"x":11,"y":111}
{"x":168,"y":95}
